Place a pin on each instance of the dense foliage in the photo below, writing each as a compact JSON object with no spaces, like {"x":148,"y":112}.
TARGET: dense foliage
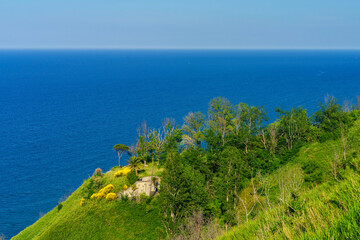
{"x":214,"y":167}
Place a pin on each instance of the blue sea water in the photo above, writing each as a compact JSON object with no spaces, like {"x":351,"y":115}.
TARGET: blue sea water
{"x":62,"y":111}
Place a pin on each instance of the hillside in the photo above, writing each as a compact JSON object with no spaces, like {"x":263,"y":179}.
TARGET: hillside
{"x":304,"y":200}
{"x":100,"y":219}
{"x":229,"y":176}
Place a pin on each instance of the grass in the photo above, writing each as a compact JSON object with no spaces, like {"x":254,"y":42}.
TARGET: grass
{"x":100,"y":219}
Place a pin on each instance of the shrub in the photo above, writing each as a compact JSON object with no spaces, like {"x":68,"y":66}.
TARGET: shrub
{"x":98,"y":196}
{"x":82,"y":202}
{"x":98,"y":182}
{"x":89,"y":188}
{"x":132,"y":177}
{"x":109,"y":188}
{"x":122,"y":172}
{"x":111,"y":196}
{"x":59,"y":206}
{"x":144,"y":198}
{"x":98,"y":173}
{"x":103,"y":192}
{"x":125,"y":187}
{"x":124,"y":198}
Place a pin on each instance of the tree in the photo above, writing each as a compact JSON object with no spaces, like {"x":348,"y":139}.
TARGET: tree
{"x":329,"y":118}
{"x":120,"y":149}
{"x":171,"y":134}
{"x":229,"y":180}
{"x":273,"y":138}
{"x":142,"y":145}
{"x":134,"y":163}
{"x":174,"y":191}
{"x":192,"y":129}
{"x":293,"y":125}
{"x":248,"y":122}
{"x":220,"y":115}
{"x":155,"y":144}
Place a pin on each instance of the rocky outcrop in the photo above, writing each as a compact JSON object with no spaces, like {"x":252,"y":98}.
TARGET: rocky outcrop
{"x":144,"y":185}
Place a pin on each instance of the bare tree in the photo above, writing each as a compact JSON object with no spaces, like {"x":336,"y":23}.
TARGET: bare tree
{"x":247,"y":203}
{"x":273,"y":137}
{"x":343,"y":139}
{"x":334,"y":163}
{"x":142,"y":145}
{"x":263,"y":137}
{"x":196,"y":227}
{"x":347,"y":106}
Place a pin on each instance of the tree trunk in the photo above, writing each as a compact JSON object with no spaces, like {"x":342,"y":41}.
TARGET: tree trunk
{"x":263,"y":138}
{"x":119,"y":158}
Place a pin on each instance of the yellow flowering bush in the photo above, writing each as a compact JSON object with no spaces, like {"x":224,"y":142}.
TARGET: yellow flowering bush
{"x":122,"y":172}
{"x":125,"y":187}
{"x":111,"y":196}
{"x":98,"y":196}
{"x":107,"y":189}
{"x":82,"y":202}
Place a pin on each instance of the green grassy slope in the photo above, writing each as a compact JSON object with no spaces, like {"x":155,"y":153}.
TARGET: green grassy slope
{"x":99,"y":219}
{"x":304,"y":200}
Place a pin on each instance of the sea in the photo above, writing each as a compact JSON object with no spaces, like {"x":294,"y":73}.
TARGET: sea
{"x":61,"y":111}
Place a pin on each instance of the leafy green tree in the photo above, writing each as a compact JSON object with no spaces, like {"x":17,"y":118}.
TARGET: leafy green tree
{"x":175,"y":190}
{"x":220,"y":115}
{"x":294,"y":125}
{"x":229,"y":181}
{"x":121,"y":149}
{"x":248,"y":122}
{"x":192,"y":129}
{"x":329,"y":118}
{"x":134,"y":163}
{"x":172,"y":135}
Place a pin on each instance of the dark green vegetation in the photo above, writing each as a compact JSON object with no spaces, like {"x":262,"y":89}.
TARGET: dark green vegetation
{"x":231,"y":175}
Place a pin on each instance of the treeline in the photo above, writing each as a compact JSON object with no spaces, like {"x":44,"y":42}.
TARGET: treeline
{"x":212,"y":159}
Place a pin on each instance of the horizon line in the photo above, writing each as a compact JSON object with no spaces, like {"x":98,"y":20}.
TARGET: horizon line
{"x":174,"y":48}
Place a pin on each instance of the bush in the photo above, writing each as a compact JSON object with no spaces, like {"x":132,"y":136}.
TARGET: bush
{"x":98,"y":182}
{"x":122,"y":172}
{"x":132,"y":177}
{"x":111,"y":196}
{"x":89,"y":188}
{"x":144,"y":198}
{"x":109,"y":188}
{"x":59,"y":206}
{"x":124,"y":198}
{"x":98,"y":173}
{"x":98,"y":196}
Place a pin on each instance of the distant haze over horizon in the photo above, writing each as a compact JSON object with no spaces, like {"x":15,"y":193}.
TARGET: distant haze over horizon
{"x":163,"y":24}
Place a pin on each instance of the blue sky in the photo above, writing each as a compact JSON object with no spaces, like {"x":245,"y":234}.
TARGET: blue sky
{"x":259,"y":24}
